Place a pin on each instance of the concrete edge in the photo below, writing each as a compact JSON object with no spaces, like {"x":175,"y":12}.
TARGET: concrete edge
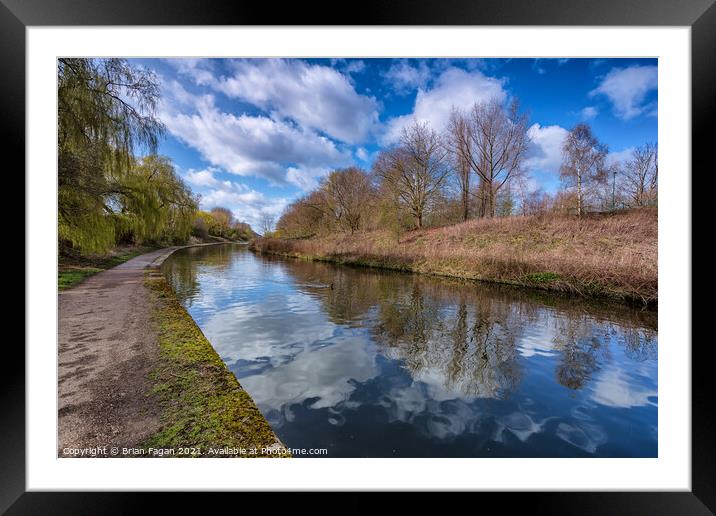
{"x":154,"y":267}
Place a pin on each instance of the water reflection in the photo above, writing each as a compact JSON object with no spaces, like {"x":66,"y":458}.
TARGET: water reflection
{"x":373,"y":363}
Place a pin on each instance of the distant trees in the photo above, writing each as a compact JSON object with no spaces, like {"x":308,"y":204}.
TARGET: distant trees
{"x":342,"y":202}
{"x":640,"y":175}
{"x":583,"y":162}
{"x":220,"y":222}
{"x":303,"y":218}
{"x":105,"y":193}
{"x":416,"y":169}
{"x":266,"y":223}
{"x":223,"y":221}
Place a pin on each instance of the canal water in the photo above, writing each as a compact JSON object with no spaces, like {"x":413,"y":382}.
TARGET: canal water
{"x":371,"y":363}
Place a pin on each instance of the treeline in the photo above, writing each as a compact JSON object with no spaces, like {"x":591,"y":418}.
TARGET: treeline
{"x":220,"y":222}
{"x":474,"y":169}
{"x":112,"y":186}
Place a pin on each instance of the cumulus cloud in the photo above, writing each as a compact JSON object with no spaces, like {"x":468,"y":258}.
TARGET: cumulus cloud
{"x":314,"y":96}
{"x":201,"y":71}
{"x":455,"y":87}
{"x":546,"y":147}
{"x":306,"y":178}
{"x":355,"y":66}
{"x":245,"y":203}
{"x":404,"y":75}
{"x":250,"y":145}
{"x":201,"y":177}
{"x":627,"y":90}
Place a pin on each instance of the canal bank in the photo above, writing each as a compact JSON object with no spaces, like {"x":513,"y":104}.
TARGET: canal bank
{"x":135,"y":372}
{"x":611,"y":255}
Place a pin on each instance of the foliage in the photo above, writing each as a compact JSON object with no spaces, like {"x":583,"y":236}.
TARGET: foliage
{"x":106,"y":194}
{"x":220,"y":222}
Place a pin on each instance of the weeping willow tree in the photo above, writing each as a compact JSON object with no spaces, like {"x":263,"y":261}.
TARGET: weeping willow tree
{"x":106,"y":116}
{"x":155,"y":205}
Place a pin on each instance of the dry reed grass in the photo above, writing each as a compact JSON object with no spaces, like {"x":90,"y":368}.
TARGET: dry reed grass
{"x":613,"y":254}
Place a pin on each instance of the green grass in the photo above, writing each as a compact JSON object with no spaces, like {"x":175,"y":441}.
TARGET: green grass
{"x":69,"y":278}
{"x":543,"y":277}
{"x":203,"y":405}
{"x":73,"y":269}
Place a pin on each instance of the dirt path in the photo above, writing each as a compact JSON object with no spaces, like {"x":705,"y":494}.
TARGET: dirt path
{"x":107,"y":348}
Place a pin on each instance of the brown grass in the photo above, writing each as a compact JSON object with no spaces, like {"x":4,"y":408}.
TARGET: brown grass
{"x":611,"y":254}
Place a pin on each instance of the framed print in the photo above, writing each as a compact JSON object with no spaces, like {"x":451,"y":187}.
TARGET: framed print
{"x":420,"y":252}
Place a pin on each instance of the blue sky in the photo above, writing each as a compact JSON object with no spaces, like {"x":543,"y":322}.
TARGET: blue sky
{"x":254,"y":134}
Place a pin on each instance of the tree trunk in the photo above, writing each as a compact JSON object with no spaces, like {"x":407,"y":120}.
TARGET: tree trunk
{"x":491,"y":201}
{"x":579,"y":195}
{"x":465,"y":205}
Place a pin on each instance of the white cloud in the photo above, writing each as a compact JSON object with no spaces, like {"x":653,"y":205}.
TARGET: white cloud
{"x":455,"y":87}
{"x":620,"y":156}
{"x":316,"y":97}
{"x":306,"y":178}
{"x":250,"y":145}
{"x":355,"y":66}
{"x":245,"y":203}
{"x":546,"y":148}
{"x":362,"y":154}
{"x":627,"y":89}
{"x":201,"y":71}
{"x":201,"y":178}
{"x":404,"y":77}
{"x":589,"y":112}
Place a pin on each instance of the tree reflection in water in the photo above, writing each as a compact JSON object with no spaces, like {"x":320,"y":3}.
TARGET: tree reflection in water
{"x":467,"y":335}
{"x":381,"y":363}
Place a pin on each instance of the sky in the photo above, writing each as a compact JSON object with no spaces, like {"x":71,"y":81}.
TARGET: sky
{"x":253,"y":135}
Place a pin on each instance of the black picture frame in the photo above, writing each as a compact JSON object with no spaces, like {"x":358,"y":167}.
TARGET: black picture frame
{"x":700,"y":15}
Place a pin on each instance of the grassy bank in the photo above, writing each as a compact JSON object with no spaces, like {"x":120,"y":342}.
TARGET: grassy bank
{"x":612,"y":255}
{"x":203,"y":405}
{"x":73,"y":268}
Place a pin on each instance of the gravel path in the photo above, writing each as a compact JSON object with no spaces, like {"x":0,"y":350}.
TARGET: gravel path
{"x":107,"y":349}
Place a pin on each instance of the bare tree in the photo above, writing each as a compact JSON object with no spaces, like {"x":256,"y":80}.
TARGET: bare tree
{"x":457,"y":141}
{"x":583,"y":162}
{"x":266,"y":223}
{"x":493,"y":140}
{"x":640,"y":175}
{"x":346,"y":197}
{"x":303,"y":218}
{"x":416,"y":169}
